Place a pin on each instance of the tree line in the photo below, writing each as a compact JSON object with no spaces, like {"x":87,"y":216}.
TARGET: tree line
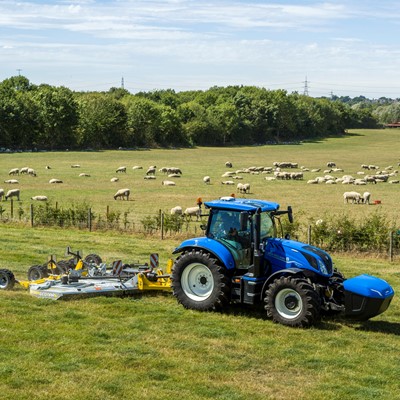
{"x":46,"y":117}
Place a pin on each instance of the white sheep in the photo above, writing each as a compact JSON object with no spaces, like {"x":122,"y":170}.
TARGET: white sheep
{"x":207,"y":180}
{"x":168,"y":183}
{"x":151,"y":170}
{"x":48,"y":167}
{"x":122,"y":194}
{"x":55,"y":180}
{"x":39,"y":198}
{"x":12,"y":181}
{"x":174,"y":170}
{"x":366,"y":197}
{"x":191,"y":211}
{"x":75,"y":166}
{"x":228,"y":164}
{"x":121,"y":169}
{"x":149,"y":177}
{"x":114,"y":179}
{"x":227,"y":183}
{"x":243,"y":187}
{"x":137,"y":167}
{"x":14,"y":171}
{"x":176,"y":210}
{"x":84,"y":174}
{"x":355,"y":197}
{"x":31,"y":172}
{"x":23,"y":170}
{"x":1,"y":194}
{"x":13,"y":193}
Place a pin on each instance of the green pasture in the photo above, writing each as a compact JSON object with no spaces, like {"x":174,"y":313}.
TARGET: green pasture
{"x":149,"y":347}
{"x":377,"y":147}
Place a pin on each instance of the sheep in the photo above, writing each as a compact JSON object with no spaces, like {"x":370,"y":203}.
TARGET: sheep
{"x":174,"y":170}
{"x":228,"y":164}
{"x":137,"y":167}
{"x":114,"y":179}
{"x":355,"y":197}
{"x":39,"y":198}
{"x":31,"y":172}
{"x":330,"y":164}
{"x":174,"y":176}
{"x":366,"y":197}
{"x":48,"y":167}
{"x":84,"y":174}
{"x":168,"y":183}
{"x":23,"y":170}
{"x":394,"y":181}
{"x":148,"y":177}
{"x":1,"y":194}
{"x":13,"y":193}
{"x":151,"y":171}
{"x":14,"y":171}
{"x":55,"y":180}
{"x":75,"y":166}
{"x":190,"y":211}
{"x":227,"y":174}
{"x":121,"y":169}
{"x":176,"y":210}
{"x":11,"y":181}
{"x":122,"y":194}
{"x":243,"y":187}
{"x":207,"y":180}
{"x":227,"y":183}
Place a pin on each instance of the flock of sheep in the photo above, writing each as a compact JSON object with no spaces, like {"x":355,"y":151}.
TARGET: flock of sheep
{"x":278,"y":171}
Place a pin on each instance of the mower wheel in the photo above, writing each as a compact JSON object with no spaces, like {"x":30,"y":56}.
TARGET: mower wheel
{"x":292,"y":301}
{"x":199,"y":283}
{"x":7,"y":279}
{"x":63,"y":266}
{"x":93,"y":259}
{"x":37,"y":272}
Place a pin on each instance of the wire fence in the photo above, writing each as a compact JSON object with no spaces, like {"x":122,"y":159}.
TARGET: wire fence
{"x":342,"y":235}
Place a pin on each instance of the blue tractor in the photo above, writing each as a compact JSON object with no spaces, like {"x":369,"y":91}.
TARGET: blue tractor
{"x":241,"y":260}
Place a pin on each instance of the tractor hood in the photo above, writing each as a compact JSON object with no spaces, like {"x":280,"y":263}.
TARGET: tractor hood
{"x":284,"y":253}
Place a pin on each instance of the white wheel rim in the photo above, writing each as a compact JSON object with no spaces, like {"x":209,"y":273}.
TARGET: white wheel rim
{"x":197,"y":281}
{"x":3,"y":281}
{"x":288,"y":303}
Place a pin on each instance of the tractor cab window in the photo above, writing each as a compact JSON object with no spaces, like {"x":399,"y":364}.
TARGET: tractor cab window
{"x":267,"y":228}
{"x":226,"y":225}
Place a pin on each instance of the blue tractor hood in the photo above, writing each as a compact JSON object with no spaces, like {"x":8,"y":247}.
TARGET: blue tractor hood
{"x":285,"y":253}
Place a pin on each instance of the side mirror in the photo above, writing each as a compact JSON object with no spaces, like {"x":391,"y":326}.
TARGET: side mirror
{"x":203,"y":227}
{"x":290,"y":214}
{"x":244,"y":219}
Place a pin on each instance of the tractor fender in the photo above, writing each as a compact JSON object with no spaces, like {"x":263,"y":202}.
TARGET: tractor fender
{"x":278,"y":274}
{"x":211,"y":246}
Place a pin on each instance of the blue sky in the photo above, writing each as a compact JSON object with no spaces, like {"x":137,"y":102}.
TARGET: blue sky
{"x":339,"y":47}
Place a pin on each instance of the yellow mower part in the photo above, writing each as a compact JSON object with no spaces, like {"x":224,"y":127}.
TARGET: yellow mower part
{"x":163,"y":282}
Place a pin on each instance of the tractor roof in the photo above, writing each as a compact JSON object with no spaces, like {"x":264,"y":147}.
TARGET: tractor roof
{"x":234,"y":204}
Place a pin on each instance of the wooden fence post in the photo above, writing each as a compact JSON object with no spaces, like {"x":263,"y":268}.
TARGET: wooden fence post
{"x":12,"y":209}
{"x":31,"y":215}
{"x":309,"y":234}
{"x":391,"y":246}
{"x":162,"y":225}
{"x":90,"y":219}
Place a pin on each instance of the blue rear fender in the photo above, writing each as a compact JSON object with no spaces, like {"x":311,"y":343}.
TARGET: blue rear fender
{"x":211,"y":246}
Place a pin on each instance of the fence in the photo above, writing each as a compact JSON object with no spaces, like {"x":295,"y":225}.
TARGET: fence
{"x":337,"y":235}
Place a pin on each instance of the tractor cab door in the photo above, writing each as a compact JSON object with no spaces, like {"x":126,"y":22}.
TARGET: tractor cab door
{"x":227,"y":227}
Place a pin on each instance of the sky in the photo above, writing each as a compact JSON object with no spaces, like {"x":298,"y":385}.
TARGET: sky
{"x":344,"y":47}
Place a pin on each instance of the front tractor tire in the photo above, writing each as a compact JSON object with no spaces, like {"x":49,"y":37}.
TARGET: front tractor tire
{"x":292,"y":301}
{"x":199,"y":282}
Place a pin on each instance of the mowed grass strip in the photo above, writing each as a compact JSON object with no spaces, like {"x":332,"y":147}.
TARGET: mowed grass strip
{"x":150,"y":347}
{"x":371,"y":147}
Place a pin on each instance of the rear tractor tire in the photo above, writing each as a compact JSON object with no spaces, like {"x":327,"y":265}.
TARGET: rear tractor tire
{"x":199,"y":282}
{"x":7,"y":279}
{"x":293,"y":302}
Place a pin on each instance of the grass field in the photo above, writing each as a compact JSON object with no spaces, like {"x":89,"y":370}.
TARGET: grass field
{"x":150,"y":347}
{"x":378,"y":147}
